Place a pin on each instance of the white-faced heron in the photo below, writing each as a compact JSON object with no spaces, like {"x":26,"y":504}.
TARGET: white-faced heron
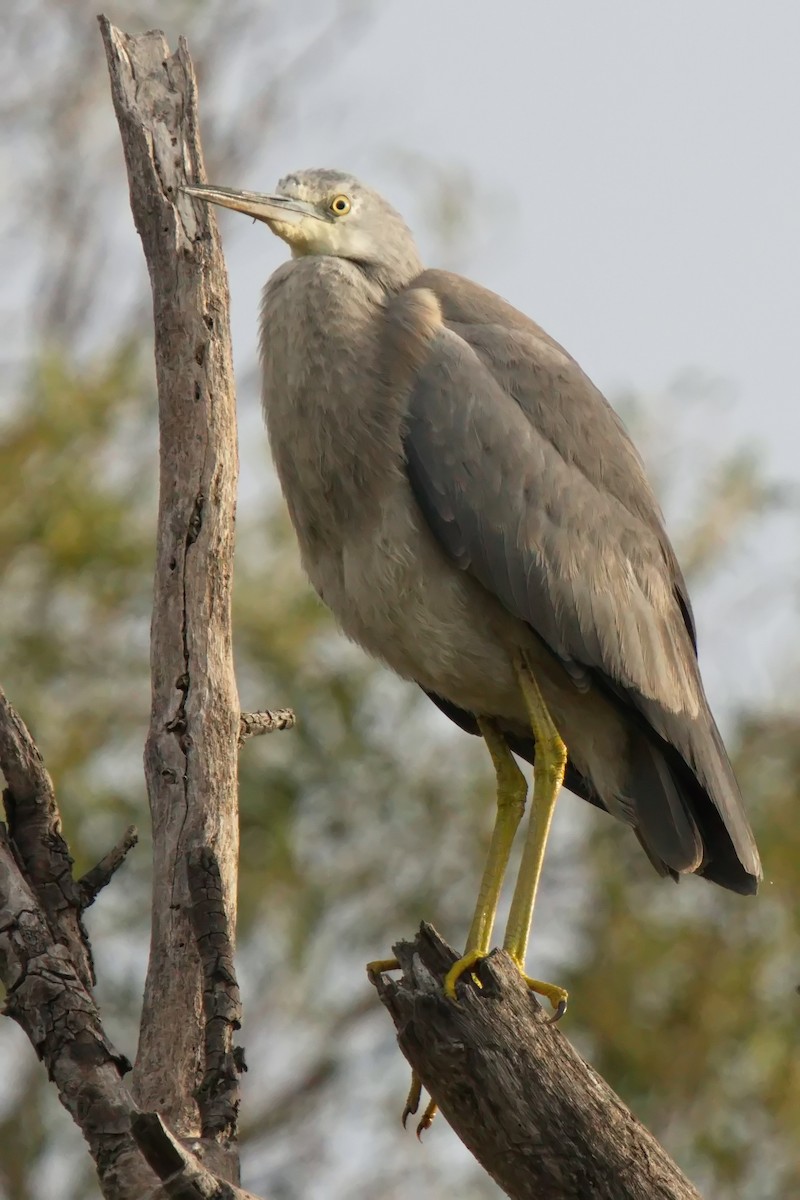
{"x":473,"y":512}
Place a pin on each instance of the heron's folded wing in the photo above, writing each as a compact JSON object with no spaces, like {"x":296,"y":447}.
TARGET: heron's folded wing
{"x":557,"y":549}
{"x":544,"y":501}
{"x":560,"y":401}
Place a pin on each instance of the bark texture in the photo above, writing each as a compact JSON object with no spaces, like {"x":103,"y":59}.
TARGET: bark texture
{"x":183,"y":1175}
{"x":535,"y":1115}
{"x":218,"y":1094}
{"x":48,"y":1000}
{"x":43,"y":969}
{"x":191,"y":751}
{"x":253,"y":724}
{"x":135,"y":1155}
{"x":34,"y":826}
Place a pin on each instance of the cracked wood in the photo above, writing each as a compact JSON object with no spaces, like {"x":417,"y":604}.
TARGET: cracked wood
{"x":535,"y":1115}
{"x":190,"y":756}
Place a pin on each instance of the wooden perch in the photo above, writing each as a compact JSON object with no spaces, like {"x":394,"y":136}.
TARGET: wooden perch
{"x":191,"y":751}
{"x":535,"y":1115}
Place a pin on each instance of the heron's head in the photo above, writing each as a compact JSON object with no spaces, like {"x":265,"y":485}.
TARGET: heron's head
{"x":329,"y":212}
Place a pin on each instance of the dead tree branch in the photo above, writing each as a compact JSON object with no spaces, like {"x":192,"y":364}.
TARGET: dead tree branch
{"x":187,"y":1064}
{"x":92,"y":883}
{"x":34,"y":826}
{"x":190,"y":757}
{"x":51,"y":1003}
{"x":535,"y":1115}
{"x":252,"y":724}
{"x":43,"y":972}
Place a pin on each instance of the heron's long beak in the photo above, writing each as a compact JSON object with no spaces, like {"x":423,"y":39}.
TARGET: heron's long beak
{"x":256,"y":205}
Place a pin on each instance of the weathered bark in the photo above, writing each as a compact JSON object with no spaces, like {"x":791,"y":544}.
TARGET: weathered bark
{"x":218,"y":1094}
{"x":35,"y":828}
{"x":535,"y":1115}
{"x":252,"y":724}
{"x":191,"y":752}
{"x":49,"y":1000}
{"x":184,"y":1177}
{"x":51,"y":1005}
{"x":43,"y":970}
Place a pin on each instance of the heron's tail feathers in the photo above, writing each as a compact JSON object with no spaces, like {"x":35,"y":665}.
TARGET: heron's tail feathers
{"x":693,"y":821}
{"x":664,"y":821}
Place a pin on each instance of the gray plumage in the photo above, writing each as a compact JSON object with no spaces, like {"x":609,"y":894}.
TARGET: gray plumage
{"x":461,"y":491}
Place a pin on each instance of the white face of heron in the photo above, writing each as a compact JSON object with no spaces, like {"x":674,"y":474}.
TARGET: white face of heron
{"x":343,"y":218}
{"x":321,"y":212}
{"x":332,"y":228}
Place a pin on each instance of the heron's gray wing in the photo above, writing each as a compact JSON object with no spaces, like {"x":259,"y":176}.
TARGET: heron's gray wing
{"x":561,"y":402}
{"x":560,"y":551}
{"x":527,"y":479}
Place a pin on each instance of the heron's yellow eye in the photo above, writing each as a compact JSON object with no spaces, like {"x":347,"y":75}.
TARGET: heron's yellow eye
{"x":340,"y":206}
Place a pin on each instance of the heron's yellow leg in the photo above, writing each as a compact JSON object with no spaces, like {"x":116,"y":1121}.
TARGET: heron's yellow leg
{"x":511,"y":792}
{"x":548,"y":775}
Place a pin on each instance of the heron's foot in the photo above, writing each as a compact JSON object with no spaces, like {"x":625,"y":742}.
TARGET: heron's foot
{"x":557,"y":996}
{"x":412,"y":1105}
{"x":379,"y":965}
{"x":459,"y":968}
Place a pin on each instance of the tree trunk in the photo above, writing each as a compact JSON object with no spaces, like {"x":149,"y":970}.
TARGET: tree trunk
{"x":191,"y":751}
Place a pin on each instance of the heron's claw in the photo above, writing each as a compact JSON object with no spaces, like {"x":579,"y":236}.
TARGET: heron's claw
{"x":426,"y":1120}
{"x":412,"y":1104}
{"x":378,"y":965}
{"x":413,"y":1098}
{"x":558,"y":1014}
{"x":458,"y":969}
{"x":557,"y":996}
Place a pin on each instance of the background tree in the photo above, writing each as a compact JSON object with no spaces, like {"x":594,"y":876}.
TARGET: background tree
{"x":362,"y":821}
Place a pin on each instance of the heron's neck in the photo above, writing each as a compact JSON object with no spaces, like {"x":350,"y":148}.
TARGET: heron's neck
{"x":393,"y":272}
